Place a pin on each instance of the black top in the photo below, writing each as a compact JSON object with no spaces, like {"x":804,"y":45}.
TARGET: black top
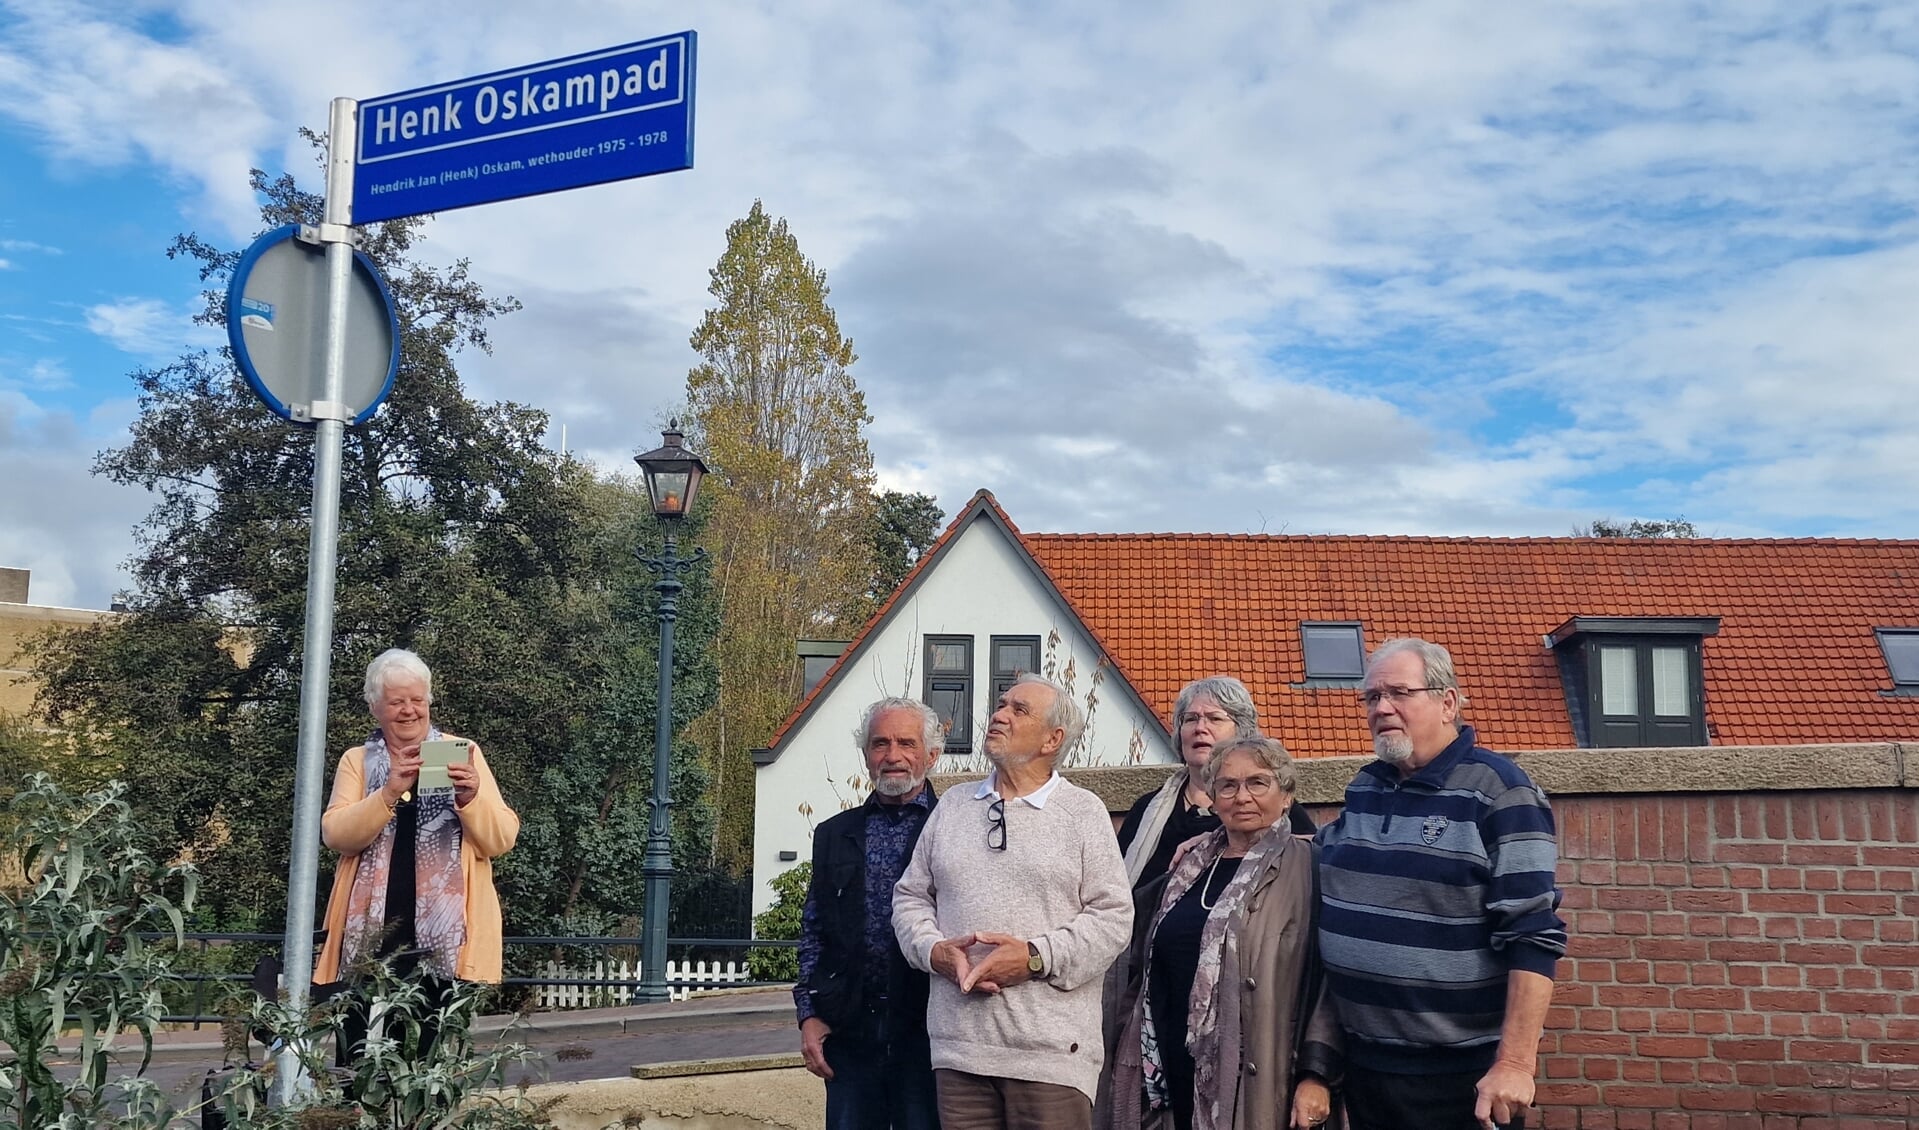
{"x":401,"y":884}
{"x":1185,"y":823}
{"x":1175,"y":964}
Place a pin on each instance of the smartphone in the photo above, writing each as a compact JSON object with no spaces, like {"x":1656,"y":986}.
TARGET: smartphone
{"x":435,"y":756}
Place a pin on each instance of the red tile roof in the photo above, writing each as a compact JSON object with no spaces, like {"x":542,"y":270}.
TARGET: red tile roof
{"x":1795,"y":660}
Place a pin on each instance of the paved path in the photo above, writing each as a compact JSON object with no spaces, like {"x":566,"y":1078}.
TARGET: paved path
{"x":599,"y":1044}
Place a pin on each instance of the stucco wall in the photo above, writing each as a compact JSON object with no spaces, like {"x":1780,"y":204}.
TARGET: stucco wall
{"x":981,"y":589}
{"x":18,"y":624}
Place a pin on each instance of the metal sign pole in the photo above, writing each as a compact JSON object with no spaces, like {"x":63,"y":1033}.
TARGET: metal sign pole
{"x":329,"y":415}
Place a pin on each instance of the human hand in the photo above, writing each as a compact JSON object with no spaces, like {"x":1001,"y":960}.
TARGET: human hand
{"x":1505,"y":1091}
{"x":813,"y":1034}
{"x":466,"y":782}
{"x":403,"y":772}
{"x":1001,"y":969}
{"x":1185,"y":846}
{"x":949,"y":959}
{"x":1312,"y":1104}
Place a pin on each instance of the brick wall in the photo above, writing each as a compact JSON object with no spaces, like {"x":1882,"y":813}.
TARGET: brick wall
{"x":1744,"y":951}
{"x":1739,"y":961}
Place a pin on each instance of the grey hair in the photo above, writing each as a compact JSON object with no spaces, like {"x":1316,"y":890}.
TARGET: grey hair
{"x":1436,"y":661}
{"x":396,"y":661}
{"x":932,"y":730}
{"x":1062,"y":715}
{"x":1233,"y":698}
{"x":1270,"y":754}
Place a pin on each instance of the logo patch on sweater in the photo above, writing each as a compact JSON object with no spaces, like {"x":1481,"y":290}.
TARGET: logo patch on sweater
{"x":1430,"y":831}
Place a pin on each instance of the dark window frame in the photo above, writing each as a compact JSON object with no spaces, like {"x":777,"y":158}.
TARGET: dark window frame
{"x":1903,"y":682}
{"x":1644,"y":727}
{"x":1001,"y":678}
{"x":1326,"y":678}
{"x":1577,"y":643}
{"x":938,"y":684}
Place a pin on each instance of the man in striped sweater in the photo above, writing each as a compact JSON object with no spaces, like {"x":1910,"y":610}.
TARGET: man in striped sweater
{"x":1438,"y":925}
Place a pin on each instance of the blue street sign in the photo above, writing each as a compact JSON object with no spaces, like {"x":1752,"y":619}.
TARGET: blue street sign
{"x":586,"y":119}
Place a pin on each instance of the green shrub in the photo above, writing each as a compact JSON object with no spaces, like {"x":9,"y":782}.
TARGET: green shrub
{"x":72,"y":965}
{"x":780,"y":921}
{"x":396,"y":1079}
{"x":72,"y":960}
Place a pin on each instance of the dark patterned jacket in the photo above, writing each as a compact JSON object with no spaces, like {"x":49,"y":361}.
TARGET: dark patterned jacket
{"x":847,"y":924}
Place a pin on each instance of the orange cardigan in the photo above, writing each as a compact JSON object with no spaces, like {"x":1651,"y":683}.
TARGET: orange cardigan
{"x":354,"y":819}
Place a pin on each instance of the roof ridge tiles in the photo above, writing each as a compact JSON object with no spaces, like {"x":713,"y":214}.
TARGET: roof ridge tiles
{"x":1656,"y":545}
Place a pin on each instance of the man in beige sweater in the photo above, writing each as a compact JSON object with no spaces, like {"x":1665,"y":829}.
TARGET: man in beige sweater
{"x":1016,"y":900}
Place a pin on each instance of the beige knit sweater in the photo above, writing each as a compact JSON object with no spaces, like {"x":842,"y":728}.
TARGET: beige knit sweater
{"x":1060,"y":883}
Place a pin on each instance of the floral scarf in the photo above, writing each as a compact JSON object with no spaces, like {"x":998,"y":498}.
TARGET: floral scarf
{"x":439,"y":911}
{"x":1202,"y":1017}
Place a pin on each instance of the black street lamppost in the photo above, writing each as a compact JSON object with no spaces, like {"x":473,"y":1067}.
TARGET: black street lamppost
{"x":672,"y":478}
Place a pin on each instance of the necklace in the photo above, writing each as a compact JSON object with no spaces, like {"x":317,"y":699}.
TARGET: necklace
{"x":1207,"y":885}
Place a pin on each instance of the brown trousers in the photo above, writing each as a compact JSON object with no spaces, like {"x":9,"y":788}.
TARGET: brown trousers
{"x":980,"y":1102}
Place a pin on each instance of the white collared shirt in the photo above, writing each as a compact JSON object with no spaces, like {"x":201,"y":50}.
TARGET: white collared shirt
{"x":1037,"y":798}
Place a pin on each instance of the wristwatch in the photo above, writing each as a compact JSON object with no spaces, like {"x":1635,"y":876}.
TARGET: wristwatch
{"x":1033,"y":964}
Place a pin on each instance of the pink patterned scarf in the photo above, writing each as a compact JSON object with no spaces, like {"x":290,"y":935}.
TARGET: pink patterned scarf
{"x":1202,"y":1015}
{"x":439,"y":908}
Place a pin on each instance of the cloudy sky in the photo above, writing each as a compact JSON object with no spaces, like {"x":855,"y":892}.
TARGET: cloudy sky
{"x":1427,"y":266}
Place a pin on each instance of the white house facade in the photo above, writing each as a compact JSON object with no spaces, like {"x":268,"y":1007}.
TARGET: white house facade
{"x":975,"y":614}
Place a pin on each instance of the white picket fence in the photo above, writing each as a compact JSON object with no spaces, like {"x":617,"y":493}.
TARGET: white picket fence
{"x":682,"y":978}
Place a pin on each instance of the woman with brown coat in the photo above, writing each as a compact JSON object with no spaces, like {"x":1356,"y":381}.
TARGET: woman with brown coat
{"x":1226,"y":1023}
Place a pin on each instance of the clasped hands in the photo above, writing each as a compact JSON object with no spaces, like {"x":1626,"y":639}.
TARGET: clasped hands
{"x":1002,"y":968}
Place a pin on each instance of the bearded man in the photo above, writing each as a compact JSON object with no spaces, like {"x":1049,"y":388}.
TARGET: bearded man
{"x":862,"y":1008}
{"x":1438,"y":921}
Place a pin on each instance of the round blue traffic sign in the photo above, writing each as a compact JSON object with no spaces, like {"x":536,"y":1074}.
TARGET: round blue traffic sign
{"x":276,"y":323}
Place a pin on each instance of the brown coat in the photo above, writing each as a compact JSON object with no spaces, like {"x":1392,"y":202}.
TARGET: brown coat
{"x":1268,"y":949}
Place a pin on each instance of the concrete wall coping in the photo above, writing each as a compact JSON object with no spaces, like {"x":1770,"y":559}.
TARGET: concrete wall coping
{"x":54,"y":613}
{"x":1593,"y":772}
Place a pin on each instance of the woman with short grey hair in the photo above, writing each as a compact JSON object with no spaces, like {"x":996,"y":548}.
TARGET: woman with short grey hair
{"x":1227,"y":1025}
{"x":415,"y":878}
{"x":1207,"y":713}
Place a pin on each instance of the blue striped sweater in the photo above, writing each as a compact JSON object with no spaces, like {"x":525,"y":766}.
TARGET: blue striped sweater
{"x":1435,"y":886}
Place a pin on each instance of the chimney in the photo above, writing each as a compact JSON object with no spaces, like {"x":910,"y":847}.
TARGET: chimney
{"x":13,"y":585}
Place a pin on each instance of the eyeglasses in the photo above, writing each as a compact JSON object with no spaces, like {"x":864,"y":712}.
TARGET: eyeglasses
{"x":1396,"y":695}
{"x":996,"y":828}
{"x":1255,"y":787}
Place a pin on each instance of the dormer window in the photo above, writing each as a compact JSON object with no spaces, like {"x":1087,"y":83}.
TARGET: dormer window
{"x":1634,"y":681}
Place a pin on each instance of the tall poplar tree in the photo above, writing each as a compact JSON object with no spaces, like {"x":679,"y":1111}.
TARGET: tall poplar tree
{"x":782,"y":422}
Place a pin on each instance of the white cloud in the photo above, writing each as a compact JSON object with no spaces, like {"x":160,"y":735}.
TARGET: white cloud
{"x":1416,"y":267}
{"x":100,"y":93}
{"x":24,"y":377}
{"x":147,"y":327}
{"x":69,"y":527}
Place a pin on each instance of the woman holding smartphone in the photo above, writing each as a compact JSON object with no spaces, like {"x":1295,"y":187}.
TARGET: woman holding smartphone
{"x":415,"y":879}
